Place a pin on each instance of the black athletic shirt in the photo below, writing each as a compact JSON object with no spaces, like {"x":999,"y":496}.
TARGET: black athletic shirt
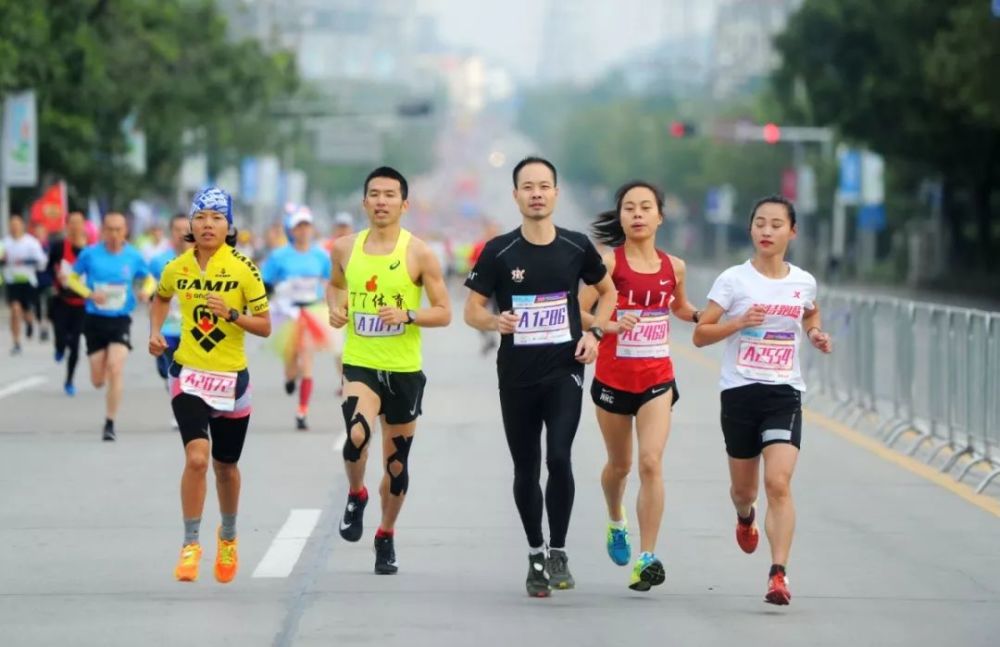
{"x":544,"y":279}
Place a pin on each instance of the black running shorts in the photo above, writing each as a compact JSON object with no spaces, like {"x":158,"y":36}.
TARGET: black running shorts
{"x":23,"y":293}
{"x":401,"y":394}
{"x":627,"y":403}
{"x":757,"y":415}
{"x":100,"y":332}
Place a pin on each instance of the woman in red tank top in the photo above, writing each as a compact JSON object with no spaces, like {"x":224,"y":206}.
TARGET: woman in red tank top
{"x":634,"y":378}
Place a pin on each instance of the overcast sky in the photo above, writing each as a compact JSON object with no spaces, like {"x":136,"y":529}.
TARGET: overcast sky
{"x":510,"y":31}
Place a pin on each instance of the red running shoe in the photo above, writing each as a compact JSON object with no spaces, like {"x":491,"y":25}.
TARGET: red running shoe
{"x":747,"y":535}
{"x":777,"y":590}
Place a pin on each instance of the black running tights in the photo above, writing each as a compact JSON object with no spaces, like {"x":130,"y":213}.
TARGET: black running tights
{"x":556,"y":404}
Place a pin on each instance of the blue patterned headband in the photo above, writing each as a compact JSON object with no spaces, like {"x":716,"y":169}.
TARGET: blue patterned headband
{"x":213,"y":199}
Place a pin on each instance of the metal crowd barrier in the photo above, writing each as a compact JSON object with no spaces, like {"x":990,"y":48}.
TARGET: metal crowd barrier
{"x":910,"y":367}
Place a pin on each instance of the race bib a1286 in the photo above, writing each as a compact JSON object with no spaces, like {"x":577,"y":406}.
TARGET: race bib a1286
{"x":649,"y":339}
{"x":115,"y":295}
{"x":368,"y":324}
{"x":766,"y":355}
{"x":216,"y":389}
{"x":541,"y":319}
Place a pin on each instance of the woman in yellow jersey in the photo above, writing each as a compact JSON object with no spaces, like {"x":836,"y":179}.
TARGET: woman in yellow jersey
{"x":222,"y":297}
{"x":375,"y":290}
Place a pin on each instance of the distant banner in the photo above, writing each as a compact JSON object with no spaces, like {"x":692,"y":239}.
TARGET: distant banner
{"x":20,"y":140}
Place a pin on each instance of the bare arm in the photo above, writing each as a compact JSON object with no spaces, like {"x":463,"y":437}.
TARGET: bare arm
{"x":336,"y":289}
{"x":158,"y":310}
{"x":589,"y":295}
{"x":476,"y":313}
{"x":680,"y":306}
{"x":813,"y":325}
{"x":711,"y":330}
{"x":438,"y":313}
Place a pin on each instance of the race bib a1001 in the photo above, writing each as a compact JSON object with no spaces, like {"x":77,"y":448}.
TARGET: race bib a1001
{"x":650,"y":339}
{"x":115,"y":295}
{"x":541,"y":319}
{"x":368,"y":324}
{"x":766,"y":355}
{"x":216,"y":389}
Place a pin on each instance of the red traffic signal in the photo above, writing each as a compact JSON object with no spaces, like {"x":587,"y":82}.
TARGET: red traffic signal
{"x":772,"y":133}
{"x":680,"y":129}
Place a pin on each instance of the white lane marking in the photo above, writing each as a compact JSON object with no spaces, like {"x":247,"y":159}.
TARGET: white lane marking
{"x":22,"y":385}
{"x":338,"y":442}
{"x":280,"y":558}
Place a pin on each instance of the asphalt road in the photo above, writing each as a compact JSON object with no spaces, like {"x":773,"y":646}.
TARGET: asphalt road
{"x":91,"y":530}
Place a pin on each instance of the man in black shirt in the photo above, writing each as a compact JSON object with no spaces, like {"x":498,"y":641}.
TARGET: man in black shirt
{"x":534,"y":273}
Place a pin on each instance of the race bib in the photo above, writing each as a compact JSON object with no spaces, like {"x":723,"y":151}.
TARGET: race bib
{"x":367,"y":324}
{"x":766,"y":355}
{"x":115,"y":295}
{"x":21,"y":273}
{"x":304,"y":289}
{"x":649,"y":339}
{"x":217,"y":390}
{"x":541,"y":319}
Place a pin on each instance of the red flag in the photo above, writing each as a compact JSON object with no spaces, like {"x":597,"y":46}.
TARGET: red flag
{"x":50,"y":209}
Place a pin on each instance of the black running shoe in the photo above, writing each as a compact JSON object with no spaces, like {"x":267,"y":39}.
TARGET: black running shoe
{"x":43,"y":335}
{"x":300,"y":423}
{"x":290,"y":387}
{"x":351,"y":525}
{"x":29,"y":329}
{"x":385,"y":556}
{"x":538,"y":578}
{"x":109,"y":431}
{"x":558,"y":567}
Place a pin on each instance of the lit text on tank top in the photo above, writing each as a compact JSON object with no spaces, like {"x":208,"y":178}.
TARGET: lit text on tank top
{"x":651,"y":299}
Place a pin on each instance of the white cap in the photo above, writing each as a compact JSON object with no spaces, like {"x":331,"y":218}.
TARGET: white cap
{"x":343,"y":218}
{"x":300,"y":217}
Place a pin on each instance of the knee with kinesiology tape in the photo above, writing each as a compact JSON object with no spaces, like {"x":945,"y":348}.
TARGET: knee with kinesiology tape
{"x":356,"y":426}
{"x":396,"y":466}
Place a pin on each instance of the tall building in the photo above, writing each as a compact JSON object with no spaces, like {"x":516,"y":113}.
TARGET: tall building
{"x":744,"y":54}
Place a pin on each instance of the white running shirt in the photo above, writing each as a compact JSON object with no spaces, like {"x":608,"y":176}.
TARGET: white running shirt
{"x":768,"y":354}
{"x":24,"y":258}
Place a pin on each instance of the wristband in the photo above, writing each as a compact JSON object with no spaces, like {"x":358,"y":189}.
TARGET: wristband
{"x":809,"y":332}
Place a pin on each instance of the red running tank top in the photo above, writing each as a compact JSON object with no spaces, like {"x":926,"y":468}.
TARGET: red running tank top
{"x":638,"y":360}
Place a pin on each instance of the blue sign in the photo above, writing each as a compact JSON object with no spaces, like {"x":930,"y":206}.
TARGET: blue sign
{"x":248,"y":179}
{"x":871,"y":217}
{"x":850,"y":175}
{"x":996,"y":8}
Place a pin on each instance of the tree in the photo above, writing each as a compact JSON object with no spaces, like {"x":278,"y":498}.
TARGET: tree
{"x":913,"y":80}
{"x":92,"y":64}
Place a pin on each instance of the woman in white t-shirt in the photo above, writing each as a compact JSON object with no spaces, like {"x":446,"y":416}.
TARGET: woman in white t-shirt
{"x":767,"y":304}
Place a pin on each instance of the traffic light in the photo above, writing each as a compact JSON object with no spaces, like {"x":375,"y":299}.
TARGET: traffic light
{"x":680,"y":129}
{"x":772,"y":133}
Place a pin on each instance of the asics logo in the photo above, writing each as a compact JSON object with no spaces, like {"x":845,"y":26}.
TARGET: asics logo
{"x":394,"y":265}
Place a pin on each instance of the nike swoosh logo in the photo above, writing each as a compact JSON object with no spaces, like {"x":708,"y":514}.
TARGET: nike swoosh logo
{"x":394,"y":265}
{"x":667,"y":282}
{"x":658,"y":390}
{"x":344,"y":526}
{"x":413,"y":411}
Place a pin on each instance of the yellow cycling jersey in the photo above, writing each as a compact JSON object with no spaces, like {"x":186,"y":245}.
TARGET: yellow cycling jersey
{"x":207,"y":342}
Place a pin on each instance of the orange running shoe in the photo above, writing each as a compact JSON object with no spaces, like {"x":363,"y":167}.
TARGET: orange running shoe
{"x":777,"y":590}
{"x":226,"y":560}
{"x":747,"y":535}
{"x":187,"y":565}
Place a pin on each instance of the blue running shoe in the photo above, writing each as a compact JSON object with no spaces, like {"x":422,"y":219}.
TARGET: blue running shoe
{"x":69,"y":389}
{"x":619,"y":546}
{"x":647,"y":573}
{"x":59,"y":355}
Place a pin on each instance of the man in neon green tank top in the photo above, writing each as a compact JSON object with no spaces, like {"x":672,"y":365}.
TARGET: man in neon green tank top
{"x":377,"y":278}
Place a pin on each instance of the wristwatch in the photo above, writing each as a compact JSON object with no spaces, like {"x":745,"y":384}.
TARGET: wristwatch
{"x":234,"y":314}
{"x":411,"y":316}
{"x":696,"y":316}
{"x":597,"y":332}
